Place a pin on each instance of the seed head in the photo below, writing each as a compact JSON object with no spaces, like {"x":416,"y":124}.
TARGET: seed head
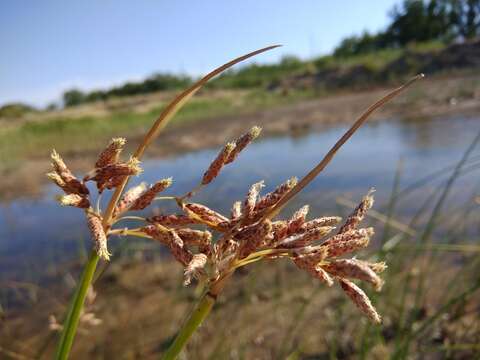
{"x":272,"y":198}
{"x":279,"y":230}
{"x":251,"y":199}
{"x":358,"y":214}
{"x":320,"y":222}
{"x":236,"y":211}
{"x":314,"y":270}
{"x":64,"y":178}
{"x":204,"y":214}
{"x":348,"y":242}
{"x":190,"y":237}
{"x":242,"y":142}
{"x":377,"y":267}
{"x":360,"y":299}
{"x":253,"y":236}
{"x":306,"y":238}
{"x":129,"y":198}
{"x":132,"y":167}
{"x":297,"y":220}
{"x":147,"y":197}
{"x":112,"y":175}
{"x":58,"y":164}
{"x":98,"y":234}
{"x":217,"y":164}
{"x":354,"y":269}
{"x":74,"y":200}
{"x":173,"y":220}
{"x":111,"y":153}
{"x":157,"y":232}
{"x":194,"y":268}
{"x":312,"y":254}
{"x":178,"y":249}
{"x":57,"y":179}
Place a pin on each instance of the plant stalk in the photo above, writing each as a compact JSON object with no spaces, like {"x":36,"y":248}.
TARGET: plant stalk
{"x":195,"y":319}
{"x":71,"y":323}
{"x":75,"y":309}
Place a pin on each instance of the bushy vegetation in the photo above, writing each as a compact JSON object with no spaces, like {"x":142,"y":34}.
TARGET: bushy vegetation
{"x":419,"y":21}
{"x":413,"y":22}
{"x":15,"y":110}
{"x":157,"y":82}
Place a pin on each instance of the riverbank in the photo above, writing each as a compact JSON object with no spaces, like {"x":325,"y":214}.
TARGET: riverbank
{"x":26,"y":146}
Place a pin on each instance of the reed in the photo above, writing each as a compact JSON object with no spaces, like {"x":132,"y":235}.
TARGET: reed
{"x":250,"y":234}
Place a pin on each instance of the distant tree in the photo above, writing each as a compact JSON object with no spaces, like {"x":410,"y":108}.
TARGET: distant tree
{"x":73,"y":97}
{"x":96,"y":95}
{"x":15,"y":110}
{"x":355,"y":45}
{"x":417,"y":21}
{"x":51,"y":107}
{"x":465,"y":17}
{"x":290,"y":62}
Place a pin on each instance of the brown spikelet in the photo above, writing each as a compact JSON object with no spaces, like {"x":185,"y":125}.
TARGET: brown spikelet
{"x":314,"y":270}
{"x":98,"y":234}
{"x":158,"y":233}
{"x":64,"y":178}
{"x":297,"y":220}
{"x":173,"y":220}
{"x":272,"y":198}
{"x":57,"y":179}
{"x":194,"y":268}
{"x":319,"y":222}
{"x":305,"y":238}
{"x":321,"y":274}
{"x":242,"y":142}
{"x":58,"y":164}
{"x":129,"y":198}
{"x":279,"y":230}
{"x":178,"y":249}
{"x":132,"y":167}
{"x":111,"y":153}
{"x":348,"y":242}
{"x":354,"y":269}
{"x":202,"y":239}
{"x":253,"y":236}
{"x":313,"y":254}
{"x":147,"y":197}
{"x":111,"y":176}
{"x":358,"y":214}
{"x":360,"y":299}
{"x":204,"y":214}
{"x":236,"y":211}
{"x":112,"y":183}
{"x":377,"y":267}
{"x":74,"y":200}
{"x":75,"y":186}
{"x":70,"y":184}
{"x":251,"y":199}
{"x":217,"y":164}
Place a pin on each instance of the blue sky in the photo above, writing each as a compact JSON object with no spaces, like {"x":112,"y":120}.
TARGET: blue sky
{"x":52,"y":45}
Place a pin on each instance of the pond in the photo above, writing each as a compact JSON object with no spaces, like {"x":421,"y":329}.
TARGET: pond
{"x":37,"y":232}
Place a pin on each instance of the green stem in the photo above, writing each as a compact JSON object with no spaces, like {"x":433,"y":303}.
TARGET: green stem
{"x":75,"y":308}
{"x":196,"y":318}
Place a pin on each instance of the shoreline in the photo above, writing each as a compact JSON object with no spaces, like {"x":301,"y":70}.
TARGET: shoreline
{"x":428,"y":98}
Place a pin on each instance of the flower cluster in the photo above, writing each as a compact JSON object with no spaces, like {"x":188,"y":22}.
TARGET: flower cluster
{"x":249,"y":234}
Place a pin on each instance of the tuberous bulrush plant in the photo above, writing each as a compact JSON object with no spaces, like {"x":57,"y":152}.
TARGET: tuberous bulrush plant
{"x":250,"y":233}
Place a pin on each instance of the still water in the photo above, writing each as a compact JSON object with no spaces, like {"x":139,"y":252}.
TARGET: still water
{"x":37,"y":232}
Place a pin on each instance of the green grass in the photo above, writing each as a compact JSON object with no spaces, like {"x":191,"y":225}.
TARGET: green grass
{"x":35,"y":139}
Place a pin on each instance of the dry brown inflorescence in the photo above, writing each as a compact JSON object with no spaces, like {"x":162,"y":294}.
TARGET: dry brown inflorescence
{"x":249,"y":234}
